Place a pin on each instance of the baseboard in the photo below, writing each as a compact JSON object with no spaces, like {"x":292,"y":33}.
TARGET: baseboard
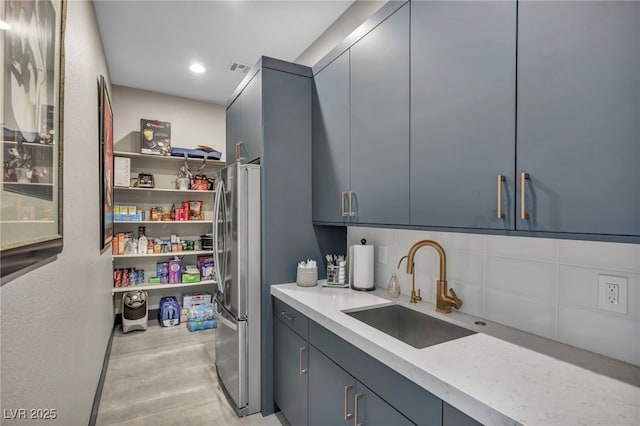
{"x":105,"y":364}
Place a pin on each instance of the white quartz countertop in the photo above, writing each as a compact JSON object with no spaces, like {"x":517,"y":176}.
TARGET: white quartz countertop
{"x":490,"y":379}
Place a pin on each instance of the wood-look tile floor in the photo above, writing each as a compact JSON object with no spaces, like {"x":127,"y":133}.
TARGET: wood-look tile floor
{"x":167,"y":376}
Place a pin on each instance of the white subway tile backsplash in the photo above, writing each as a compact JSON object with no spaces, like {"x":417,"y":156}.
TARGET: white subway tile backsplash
{"x":426,"y":283}
{"x":616,"y":256}
{"x":523,"y":248}
{"x":526,"y":278}
{"x":405,"y":282}
{"x":578,"y":286}
{"x":608,"y":335}
{"x":394,"y":254}
{"x":382,"y":273}
{"x":379,"y":237}
{"x":467,"y":267}
{"x":407,"y":238}
{"x":521,"y":312}
{"x":460,"y":242}
{"x":471,"y":296}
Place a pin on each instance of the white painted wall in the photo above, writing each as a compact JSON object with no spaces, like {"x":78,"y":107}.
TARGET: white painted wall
{"x":192,"y":122}
{"x":56,"y":320}
{"x":543,"y":286}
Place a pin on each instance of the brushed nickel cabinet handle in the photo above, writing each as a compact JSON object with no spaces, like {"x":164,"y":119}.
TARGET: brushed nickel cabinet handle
{"x":347,"y":415}
{"x":284,"y":314}
{"x":351,"y":212}
{"x":302,"y":370}
{"x":355,"y":408}
{"x":523,"y":211}
{"x":501,"y":179}
{"x":342,"y":197}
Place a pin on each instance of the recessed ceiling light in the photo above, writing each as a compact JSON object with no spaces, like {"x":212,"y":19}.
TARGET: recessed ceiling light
{"x":4,"y":25}
{"x":195,"y":67}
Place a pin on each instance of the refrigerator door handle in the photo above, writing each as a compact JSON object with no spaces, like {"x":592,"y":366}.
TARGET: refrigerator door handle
{"x":216,"y":217}
{"x":227,"y":323}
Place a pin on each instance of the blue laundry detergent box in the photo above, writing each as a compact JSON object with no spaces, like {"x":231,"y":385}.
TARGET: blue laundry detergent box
{"x":169,"y":313}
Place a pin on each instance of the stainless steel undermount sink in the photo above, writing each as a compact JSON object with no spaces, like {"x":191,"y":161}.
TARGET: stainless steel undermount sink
{"x":411,"y":327}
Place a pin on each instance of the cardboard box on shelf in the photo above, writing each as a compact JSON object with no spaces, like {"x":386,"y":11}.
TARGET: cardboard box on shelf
{"x":195,"y":299}
{"x":155,"y":137}
{"x":121,"y":172}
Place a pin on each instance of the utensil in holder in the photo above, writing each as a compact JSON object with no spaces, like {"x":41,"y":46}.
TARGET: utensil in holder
{"x":307,"y":277}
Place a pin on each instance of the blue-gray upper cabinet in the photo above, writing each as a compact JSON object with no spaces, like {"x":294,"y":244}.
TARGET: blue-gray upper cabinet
{"x":244,"y":122}
{"x":463,"y":70}
{"x":579,"y":117}
{"x":330,"y":147}
{"x":380,"y":122}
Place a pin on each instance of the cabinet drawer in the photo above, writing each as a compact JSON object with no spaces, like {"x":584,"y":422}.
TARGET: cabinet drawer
{"x":291,"y":318}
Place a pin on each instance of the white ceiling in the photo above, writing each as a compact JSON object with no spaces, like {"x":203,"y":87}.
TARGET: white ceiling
{"x":150,"y":44}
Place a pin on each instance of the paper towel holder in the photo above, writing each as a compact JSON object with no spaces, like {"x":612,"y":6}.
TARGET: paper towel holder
{"x":360,"y":286}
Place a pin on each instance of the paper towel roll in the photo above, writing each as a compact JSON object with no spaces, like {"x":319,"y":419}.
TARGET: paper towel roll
{"x":361,"y":267}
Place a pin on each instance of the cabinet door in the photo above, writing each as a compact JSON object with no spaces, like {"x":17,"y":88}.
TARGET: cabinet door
{"x":290,"y":376}
{"x":233,"y":118}
{"x":331,"y":153}
{"x":371,"y":410}
{"x":331,"y":391}
{"x":578,"y":116}
{"x":453,"y":417}
{"x":380,"y":122}
{"x":463,"y":69}
{"x":244,"y":122}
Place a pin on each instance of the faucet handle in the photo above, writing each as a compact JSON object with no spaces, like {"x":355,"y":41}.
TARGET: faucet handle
{"x":457,"y":302}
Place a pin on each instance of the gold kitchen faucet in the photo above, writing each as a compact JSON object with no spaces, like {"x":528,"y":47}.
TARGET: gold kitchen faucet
{"x":444,"y":302}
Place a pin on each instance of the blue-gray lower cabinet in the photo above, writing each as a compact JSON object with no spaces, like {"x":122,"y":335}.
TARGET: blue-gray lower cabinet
{"x":290,"y":373}
{"x":331,"y":392}
{"x":578,"y":117}
{"x":336,"y":398}
{"x":463,"y":101}
{"x":454,"y":417}
{"x":318,"y":377}
{"x":380,"y":122}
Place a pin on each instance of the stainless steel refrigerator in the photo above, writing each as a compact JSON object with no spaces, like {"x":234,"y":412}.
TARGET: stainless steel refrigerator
{"x":238,"y":270}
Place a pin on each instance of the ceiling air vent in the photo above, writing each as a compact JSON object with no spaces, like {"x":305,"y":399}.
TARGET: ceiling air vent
{"x":237,"y":67}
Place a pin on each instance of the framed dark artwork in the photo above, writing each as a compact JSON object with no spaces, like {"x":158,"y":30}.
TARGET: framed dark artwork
{"x":31,"y":118}
{"x":106,"y":165}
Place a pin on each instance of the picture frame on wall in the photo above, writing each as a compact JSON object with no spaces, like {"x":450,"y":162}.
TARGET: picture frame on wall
{"x":106,"y":165}
{"x":31,"y":118}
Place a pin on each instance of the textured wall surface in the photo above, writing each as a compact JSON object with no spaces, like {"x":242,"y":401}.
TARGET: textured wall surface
{"x":192,"y":122}
{"x":56,"y":319}
{"x":543,"y":286}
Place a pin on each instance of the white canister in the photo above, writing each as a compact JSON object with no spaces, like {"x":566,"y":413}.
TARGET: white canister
{"x":307,"y":277}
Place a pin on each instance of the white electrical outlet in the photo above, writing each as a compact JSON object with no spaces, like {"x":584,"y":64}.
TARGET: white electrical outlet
{"x":382,"y":255}
{"x":612,"y":293}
